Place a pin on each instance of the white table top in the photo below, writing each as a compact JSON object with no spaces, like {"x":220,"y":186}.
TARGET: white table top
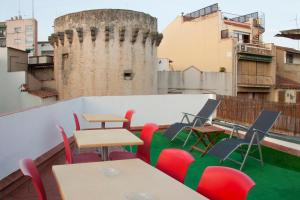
{"x":118,"y":180}
{"x":103,"y":118}
{"x":105,"y":138}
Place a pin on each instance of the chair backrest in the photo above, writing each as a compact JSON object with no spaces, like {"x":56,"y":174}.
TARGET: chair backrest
{"x":206,"y":111}
{"x":175,"y":163}
{"x":68,"y":151}
{"x":77,"y":124}
{"x":143,"y":151}
{"x":224,"y":183}
{"x":128,"y":116}
{"x":28,"y":168}
{"x":263,"y":122}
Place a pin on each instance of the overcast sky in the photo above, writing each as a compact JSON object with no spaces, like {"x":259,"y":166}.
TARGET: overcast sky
{"x":280,"y":14}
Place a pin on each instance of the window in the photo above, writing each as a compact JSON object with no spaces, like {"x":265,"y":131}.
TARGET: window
{"x":28,"y":28}
{"x":17,"y":41}
{"x":18,"y":29}
{"x":224,"y":34}
{"x":2,"y":32}
{"x":29,"y":40}
{"x":242,"y":37}
{"x":289,"y":58}
{"x":128,"y":74}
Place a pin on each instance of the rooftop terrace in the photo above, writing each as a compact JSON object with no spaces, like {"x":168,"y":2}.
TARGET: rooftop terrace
{"x":32,"y":134}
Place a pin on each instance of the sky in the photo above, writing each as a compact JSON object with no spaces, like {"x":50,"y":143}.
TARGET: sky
{"x":279,"y":14}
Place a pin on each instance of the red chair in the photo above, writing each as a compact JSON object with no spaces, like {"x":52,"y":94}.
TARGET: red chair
{"x":143,"y":151}
{"x":224,"y":183}
{"x":128,"y":116}
{"x":175,"y":163}
{"x":28,"y":168}
{"x":77,"y":124}
{"x":76,"y":158}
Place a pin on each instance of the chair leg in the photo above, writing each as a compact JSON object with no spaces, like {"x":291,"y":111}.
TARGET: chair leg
{"x":187,"y":138}
{"x":245,"y":157}
{"x":260,"y":155}
{"x":177,"y":134}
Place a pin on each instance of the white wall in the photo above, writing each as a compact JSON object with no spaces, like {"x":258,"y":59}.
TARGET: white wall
{"x":194,"y":81}
{"x":11,"y":97}
{"x":31,"y":133}
{"x":10,"y":82}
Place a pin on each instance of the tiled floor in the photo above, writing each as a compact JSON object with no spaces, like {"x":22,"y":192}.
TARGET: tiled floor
{"x":27,"y":192}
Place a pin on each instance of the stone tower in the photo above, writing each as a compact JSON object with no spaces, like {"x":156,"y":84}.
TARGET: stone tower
{"x":105,"y":52}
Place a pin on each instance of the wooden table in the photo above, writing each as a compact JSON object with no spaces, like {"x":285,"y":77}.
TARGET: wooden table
{"x":103,"y":118}
{"x":207,"y":135}
{"x":118,"y":180}
{"x":104,"y":138}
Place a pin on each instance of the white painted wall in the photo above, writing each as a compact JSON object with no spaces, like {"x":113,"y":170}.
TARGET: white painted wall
{"x":11,"y":98}
{"x":31,"y":133}
{"x":10,"y":95}
{"x":194,"y":81}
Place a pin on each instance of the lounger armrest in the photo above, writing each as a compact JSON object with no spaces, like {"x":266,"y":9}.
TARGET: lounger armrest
{"x":196,"y":116}
{"x":236,"y":128}
{"x":260,"y":131}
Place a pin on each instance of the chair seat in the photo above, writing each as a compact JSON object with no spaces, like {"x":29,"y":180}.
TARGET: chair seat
{"x":121,"y":155}
{"x":86,"y":157}
{"x":223,"y":148}
{"x":174,"y":129}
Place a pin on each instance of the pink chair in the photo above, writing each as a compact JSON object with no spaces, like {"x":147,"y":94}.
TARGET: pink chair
{"x":224,"y":183}
{"x":28,"y":168}
{"x":175,"y":163}
{"x":76,"y":158}
{"x":143,"y":151}
{"x":77,"y":124}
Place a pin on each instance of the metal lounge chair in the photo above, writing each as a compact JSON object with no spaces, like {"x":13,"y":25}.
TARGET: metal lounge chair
{"x":199,"y":120}
{"x":254,"y":136}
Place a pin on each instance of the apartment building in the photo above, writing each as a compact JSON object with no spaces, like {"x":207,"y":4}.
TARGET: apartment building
{"x":214,"y":41}
{"x":22,"y":34}
{"x":287,"y":75}
{"x":2,"y":34}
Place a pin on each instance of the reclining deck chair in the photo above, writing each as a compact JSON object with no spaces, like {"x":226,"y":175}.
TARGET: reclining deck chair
{"x":254,"y":136}
{"x":200,"y":119}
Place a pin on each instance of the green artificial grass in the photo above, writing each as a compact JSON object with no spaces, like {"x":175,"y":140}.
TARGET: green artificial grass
{"x":278,"y":179}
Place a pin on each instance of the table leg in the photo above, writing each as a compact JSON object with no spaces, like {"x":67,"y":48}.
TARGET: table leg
{"x":102,"y":124}
{"x":105,"y":153}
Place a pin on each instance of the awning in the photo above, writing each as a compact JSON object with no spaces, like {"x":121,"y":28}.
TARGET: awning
{"x":292,"y":34}
{"x":251,"y":57}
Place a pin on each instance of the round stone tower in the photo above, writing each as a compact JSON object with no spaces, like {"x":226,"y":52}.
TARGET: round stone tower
{"x":105,"y":52}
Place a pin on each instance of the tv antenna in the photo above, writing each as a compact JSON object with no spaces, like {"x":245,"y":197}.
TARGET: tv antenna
{"x":32,"y":4}
{"x":19,"y":8}
{"x":297,"y":26}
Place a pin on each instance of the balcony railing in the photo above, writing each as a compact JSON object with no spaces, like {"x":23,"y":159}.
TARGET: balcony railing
{"x":41,"y":61}
{"x":260,"y":49}
{"x":255,"y":81}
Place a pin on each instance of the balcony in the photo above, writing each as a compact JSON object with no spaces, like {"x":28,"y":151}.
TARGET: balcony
{"x":255,"y":81}
{"x":40,"y":61}
{"x":32,"y":134}
{"x":248,"y":50}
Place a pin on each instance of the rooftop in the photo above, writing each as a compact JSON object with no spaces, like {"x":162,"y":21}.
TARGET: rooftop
{"x":38,"y":139}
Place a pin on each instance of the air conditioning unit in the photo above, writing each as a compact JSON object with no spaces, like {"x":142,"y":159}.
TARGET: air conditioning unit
{"x":242,"y":48}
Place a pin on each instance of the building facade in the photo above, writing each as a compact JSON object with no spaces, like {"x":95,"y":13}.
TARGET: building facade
{"x":22,"y":34}
{"x":2,"y":34}
{"x":45,"y":49}
{"x":213,"y":41}
{"x":105,"y":52}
